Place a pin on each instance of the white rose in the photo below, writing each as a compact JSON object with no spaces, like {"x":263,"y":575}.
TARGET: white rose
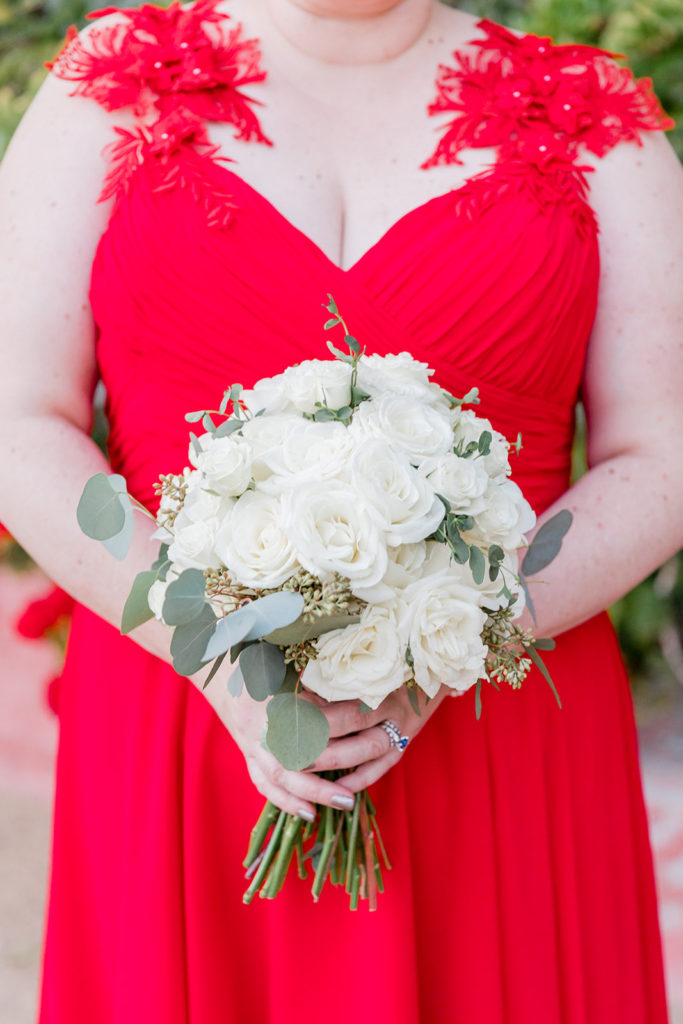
{"x":252,"y":543}
{"x":265,"y":434}
{"x":404,"y":567}
{"x":268,"y":395}
{"x":506,"y":517}
{"x":468,"y":427}
{"x":418,"y":430}
{"x":442,"y":621}
{"x":399,"y":374}
{"x":461,"y":481}
{"x":405,"y":501}
{"x":309,"y":451}
{"x":327,"y":381}
{"x":331,"y":531}
{"x":226,"y":464}
{"x":364,"y":662}
{"x":194,"y":543}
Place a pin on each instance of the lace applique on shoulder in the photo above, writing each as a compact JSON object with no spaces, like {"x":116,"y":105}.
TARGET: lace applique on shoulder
{"x":538,"y":104}
{"x":175,"y":69}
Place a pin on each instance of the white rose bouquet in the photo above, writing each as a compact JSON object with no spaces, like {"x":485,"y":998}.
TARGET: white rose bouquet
{"x":345,"y":528}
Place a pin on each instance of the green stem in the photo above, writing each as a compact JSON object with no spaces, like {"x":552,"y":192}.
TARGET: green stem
{"x":268,"y":856}
{"x":325,"y":853}
{"x":291,"y":834}
{"x":266,"y":820}
{"x":353,"y":840}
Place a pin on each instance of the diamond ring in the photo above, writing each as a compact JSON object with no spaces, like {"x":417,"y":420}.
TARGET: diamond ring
{"x":394,"y":734}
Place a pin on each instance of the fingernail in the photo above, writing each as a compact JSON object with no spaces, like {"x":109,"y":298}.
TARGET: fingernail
{"x":306,"y":815}
{"x":345,"y":802}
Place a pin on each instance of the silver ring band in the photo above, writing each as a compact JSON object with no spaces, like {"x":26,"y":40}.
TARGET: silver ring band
{"x":394,"y":734}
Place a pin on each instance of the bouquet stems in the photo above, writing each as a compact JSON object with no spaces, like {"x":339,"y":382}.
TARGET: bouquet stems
{"x":343,"y":846}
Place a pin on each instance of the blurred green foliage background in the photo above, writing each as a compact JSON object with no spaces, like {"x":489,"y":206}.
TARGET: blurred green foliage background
{"x":648,"y":32}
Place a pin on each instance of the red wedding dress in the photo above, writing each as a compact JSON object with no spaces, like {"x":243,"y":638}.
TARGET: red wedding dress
{"x":522,"y":889}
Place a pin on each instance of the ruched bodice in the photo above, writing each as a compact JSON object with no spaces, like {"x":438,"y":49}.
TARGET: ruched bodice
{"x":522,"y":889}
{"x":505,"y":303}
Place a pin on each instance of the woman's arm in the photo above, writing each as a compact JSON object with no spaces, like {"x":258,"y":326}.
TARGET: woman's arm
{"x":628,"y":509}
{"x":50,"y":224}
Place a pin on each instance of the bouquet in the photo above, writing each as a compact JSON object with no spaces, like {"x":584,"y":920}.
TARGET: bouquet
{"x":345,"y":528}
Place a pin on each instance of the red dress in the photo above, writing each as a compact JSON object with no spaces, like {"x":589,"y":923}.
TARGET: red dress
{"x":522,"y":889}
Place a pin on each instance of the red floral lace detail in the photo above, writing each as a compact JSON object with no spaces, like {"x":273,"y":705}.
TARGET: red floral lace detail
{"x":181,"y":68}
{"x":537,"y":104}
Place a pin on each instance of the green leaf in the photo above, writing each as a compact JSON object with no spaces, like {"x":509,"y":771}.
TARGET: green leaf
{"x":414,"y":702}
{"x":214,"y":668}
{"x":228,"y":427}
{"x":136,"y":610}
{"x":263,"y":669}
{"x":332,"y":305}
{"x":101,"y":513}
{"x":547,"y":543}
{"x":529,"y":602}
{"x":196,"y":447}
{"x":324,"y":415}
{"x":358,"y":395}
{"x":224,"y":401}
{"x":364,"y":708}
{"x":300,"y":630}
{"x":545,"y":644}
{"x":445,"y":502}
{"x":494,"y":572}
{"x":329,"y":324}
{"x":496,"y":554}
{"x":291,"y":681}
{"x":208,"y":424}
{"x":161,"y":559}
{"x":184,"y":598}
{"x":274,"y":612}
{"x":471,"y":398}
{"x":338,"y":354}
{"x":540,"y":665}
{"x":194,"y":417}
{"x":477,"y":699}
{"x":230,"y":630}
{"x":297,"y":731}
{"x":484,"y":442}
{"x":235,"y":681}
{"x":352,"y":343}
{"x":458,"y":546}
{"x":477,"y":565}
{"x":119,"y":546}
{"x":345,"y":413}
{"x":189,"y":642}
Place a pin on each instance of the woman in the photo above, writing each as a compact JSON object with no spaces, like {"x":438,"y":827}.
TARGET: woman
{"x":522,"y":886}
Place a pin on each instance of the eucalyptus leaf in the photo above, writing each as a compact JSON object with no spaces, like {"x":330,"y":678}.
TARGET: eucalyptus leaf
{"x":332,"y":305}
{"x":185,"y":598}
{"x":274,"y":611}
{"x":364,"y":708}
{"x":208,"y":424}
{"x":352,"y":343}
{"x":263,"y":669}
{"x":547,"y":543}
{"x":214,"y":668}
{"x":136,"y":610}
{"x":300,"y":630}
{"x":297,"y":731}
{"x":194,"y":417}
{"x":324,"y":415}
{"x":228,"y":427}
{"x":477,"y":699}
{"x":414,"y":702}
{"x":477,"y":565}
{"x":329,"y":324}
{"x":235,"y":681}
{"x":540,"y":665}
{"x":229,"y":631}
{"x":189,"y":642}
{"x":119,"y":545}
{"x":545,"y":644}
{"x":484,"y":442}
{"x":529,"y":602}
{"x":100,"y":513}
{"x":161,"y":559}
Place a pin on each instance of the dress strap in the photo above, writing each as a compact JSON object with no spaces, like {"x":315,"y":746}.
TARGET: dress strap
{"x":176,"y":69}
{"x":538,"y":104}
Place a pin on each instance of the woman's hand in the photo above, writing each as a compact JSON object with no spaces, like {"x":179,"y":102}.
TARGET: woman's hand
{"x":357,"y":740}
{"x":294,"y":792}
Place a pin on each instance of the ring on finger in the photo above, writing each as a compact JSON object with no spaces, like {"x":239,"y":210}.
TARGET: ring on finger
{"x":394,"y":734}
